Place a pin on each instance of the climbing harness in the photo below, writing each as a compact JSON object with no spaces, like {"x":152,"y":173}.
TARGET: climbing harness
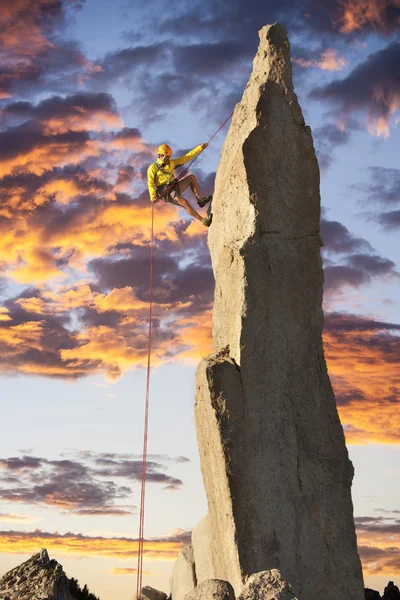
{"x":186,"y":170}
{"x":139,"y":574}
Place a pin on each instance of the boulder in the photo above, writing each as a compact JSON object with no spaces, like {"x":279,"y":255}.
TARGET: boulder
{"x":150,"y":593}
{"x":267,"y":585}
{"x":202,"y":548}
{"x":391,"y":592}
{"x":371,"y":594}
{"x":37,"y":578}
{"x":273,"y":456}
{"x":183,"y":579}
{"x":212,"y":589}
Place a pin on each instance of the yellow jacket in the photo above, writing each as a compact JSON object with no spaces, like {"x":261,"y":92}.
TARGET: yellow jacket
{"x":156,"y":177}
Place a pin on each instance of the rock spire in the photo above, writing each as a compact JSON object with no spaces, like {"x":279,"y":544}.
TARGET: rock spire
{"x":273,"y":454}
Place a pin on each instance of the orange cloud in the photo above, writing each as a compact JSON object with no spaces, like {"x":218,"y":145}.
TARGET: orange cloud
{"x":17,"y":518}
{"x":328,"y":61}
{"x":19,"y":22}
{"x":127,"y":571}
{"x":49,"y":153}
{"x":365,"y":375}
{"x":17,"y":542}
{"x":379,"y":545}
{"x":359,"y":13}
{"x":3,"y":314}
{"x":391,"y":101}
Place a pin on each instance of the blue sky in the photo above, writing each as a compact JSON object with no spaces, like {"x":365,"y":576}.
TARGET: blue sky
{"x":88,"y":91}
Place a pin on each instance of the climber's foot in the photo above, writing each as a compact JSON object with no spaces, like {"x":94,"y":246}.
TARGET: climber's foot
{"x":207,"y":221}
{"x":203,"y":201}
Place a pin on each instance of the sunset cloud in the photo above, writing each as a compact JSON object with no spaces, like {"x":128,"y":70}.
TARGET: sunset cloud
{"x":357,"y":14}
{"x":363,"y":362}
{"x":17,"y":518}
{"x":86,"y":484}
{"x":70,"y":544}
{"x":379,"y":544}
{"x":373,"y":87}
{"x":328,"y":61}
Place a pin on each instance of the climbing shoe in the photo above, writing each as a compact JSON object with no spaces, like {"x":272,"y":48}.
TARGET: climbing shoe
{"x":207,"y":221}
{"x":205,"y":200}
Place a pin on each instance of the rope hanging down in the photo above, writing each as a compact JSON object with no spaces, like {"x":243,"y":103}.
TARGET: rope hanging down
{"x":139,"y":575}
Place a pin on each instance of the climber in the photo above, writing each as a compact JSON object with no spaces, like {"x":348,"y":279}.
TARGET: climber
{"x":163,"y":185}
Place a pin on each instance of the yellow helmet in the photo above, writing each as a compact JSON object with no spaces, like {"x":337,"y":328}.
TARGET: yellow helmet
{"x":165,"y":150}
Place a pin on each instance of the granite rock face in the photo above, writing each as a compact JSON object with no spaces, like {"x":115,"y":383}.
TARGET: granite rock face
{"x":201,"y":543}
{"x":272,"y":449}
{"x":183,"y":579}
{"x":150,"y":593}
{"x":212,"y":589}
{"x":267,"y":585}
{"x":38,"y":578}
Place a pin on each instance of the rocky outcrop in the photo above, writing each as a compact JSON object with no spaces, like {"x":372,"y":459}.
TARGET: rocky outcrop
{"x":212,"y":589}
{"x":201,"y":543}
{"x":183,"y":579}
{"x":38,"y":578}
{"x":273,"y":455}
{"x":267,"y":585}
{"x":150,"y":593}
{"x":391,"y":592}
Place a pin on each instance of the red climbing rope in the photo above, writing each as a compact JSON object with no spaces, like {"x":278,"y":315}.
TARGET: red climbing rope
{"x":139,"y":574}
{"x":146,"y":422}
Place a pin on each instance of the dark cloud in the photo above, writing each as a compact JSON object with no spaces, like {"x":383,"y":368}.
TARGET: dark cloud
{"x":383,"y":188}
{"x":208,"y":59}
{"x":383,"y":191}
{"x":172,"y":282}
{"x":374,"y":85}
{"x":125,"y":61}
{"x":328,"y":137}
{"x":17,"y":141}
{"x":48,"y":61}
{"x":75,"y":110}
{"x":358,"y":271}
{"x":389,"y":220}
{"x":347,"y":17}
{"x":342,"y":323}
{"x":338,"y":239}
{"x":358,"y":265}
{"x":84,"y":485}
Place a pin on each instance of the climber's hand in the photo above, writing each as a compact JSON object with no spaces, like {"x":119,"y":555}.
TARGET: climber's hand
{"x":204,"y":146}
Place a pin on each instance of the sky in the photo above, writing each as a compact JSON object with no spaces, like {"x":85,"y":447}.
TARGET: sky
{"x":88,"y":90}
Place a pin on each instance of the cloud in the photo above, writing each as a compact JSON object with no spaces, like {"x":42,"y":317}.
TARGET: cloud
{"x":349,"y":17}
{"x":382,"y":191}
{"x":127,"y":571}
{"x":379,"y":544}
{"x":338,"y":239}
{"x":70,"y":544}
{"x":88,"y":484}
{"x":327,"y":61}
{"x":47,"y":61}
{"x":17,"y":518}
{"x":363,"y":363}
{"x":76,"y":112}
{"x":380,"y":15}
{"x":331,"y":135}
{"x":383,"y":187}
{"x":389,"y":220}
{"x":350,"y":260}
{"x":373,"y":86}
